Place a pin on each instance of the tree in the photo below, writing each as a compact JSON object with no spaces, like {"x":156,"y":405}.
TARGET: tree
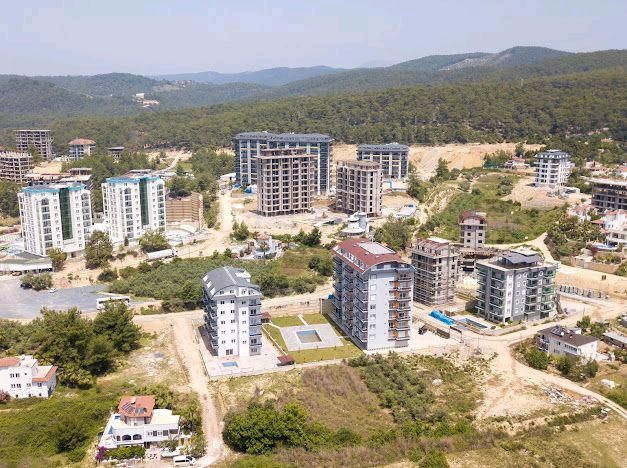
{"x":8,"y":199}
{"x":116,"y":323}
{"x":98,"y":250}
{"x":153,"y":241}
{"x":396,"y":233}
{"x":584,"y":323}
{"x":537,"y":359}
{"x":34,"y":152}
{"x":442,"y":172}
{"x":323,"y":265}
{"x":58,"y":258}
{"x":565,"y":364}
{"x":240,"y":231}
{"x":4,"y":397}
{"x":68,"y":432}
{"x":37,"y":282}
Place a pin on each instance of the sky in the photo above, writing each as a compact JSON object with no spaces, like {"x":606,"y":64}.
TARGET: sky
{"x":72,"y":37}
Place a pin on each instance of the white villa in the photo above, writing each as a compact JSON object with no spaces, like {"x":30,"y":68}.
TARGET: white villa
{"x":562,"y":341}
{"x":138,"y":422}
{"x":23,"y":377}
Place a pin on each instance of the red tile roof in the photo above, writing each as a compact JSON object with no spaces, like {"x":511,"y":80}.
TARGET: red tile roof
{"x":82,"y":141}
{"x":354,"y":251}
{"x":48,"y":376}
{"x":9,"y":361}
{"x":136,"y":406}
{"x":471,"y":214}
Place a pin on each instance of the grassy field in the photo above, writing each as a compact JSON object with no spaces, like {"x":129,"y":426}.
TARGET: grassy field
{"x":507,"y":221}
{"x":346,"y":351}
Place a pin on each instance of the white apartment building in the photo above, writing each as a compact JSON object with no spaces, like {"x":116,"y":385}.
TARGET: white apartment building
{"x":39,"y":139}
{"x":552,"y":168}
{"x":23,"y":377}
{"x":615,"y":227}
{"x":562,"y":341}
{"x":472,"y":229}
{"x":232,"y":312}
{"x":392,"y":157}
{"x":138,"y":422}
{"x":133,"y":204}
{"x":518,"y":285}
{"x":55,"y":215}
{"x":373,"y":294}
{"x":79,"y":148}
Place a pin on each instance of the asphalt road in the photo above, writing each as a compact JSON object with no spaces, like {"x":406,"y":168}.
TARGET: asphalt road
{"x":18,"y":303}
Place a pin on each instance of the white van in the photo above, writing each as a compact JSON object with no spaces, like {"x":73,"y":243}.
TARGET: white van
{"x":183,"y":460}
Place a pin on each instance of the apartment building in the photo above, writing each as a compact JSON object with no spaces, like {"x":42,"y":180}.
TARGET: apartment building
{"x":472,"y":229}
{"x":372,"y":297}
{"x":14,"y":166}
{"x":55,"y":215}
{"x":232,"y":312}
{"x":517,"y":285}
{"x":115,"y":151}
{"x":250,"y":145}
{"x":609,"y":194}
{"x":359,"y":187}
{"x":138,"y":422}
{"x":133,"y":204}
{"x":392,"y":157}
{"x":552,"y":168}
{"x":286,"y":183}
{"x":561,"y":341}
{"x":23,"y":377}
{"x":81,"y":175}
{"x":79,"y":148}
{"x":185,"y":211}
{"x":40,"y":139}
{"x":436,"y":263}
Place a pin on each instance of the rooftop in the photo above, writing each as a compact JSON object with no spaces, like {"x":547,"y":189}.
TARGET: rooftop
{"x":220,"y":278}
{"x":81,"y":141}
{"x":621,"y":182}
{"x":24,"y":360}
{"x":569,"y":336}
{"x":14,"y":155}
{"x":364,"y":254}
{"x":616,"y":337}
{"x":362,"y":164}
{"x":286,"y":137}
{"x":384,"y":147}
{"x":553,"y":154}
{"x":436,"y":243}
{"x":472,"y":214}
{"x":521,"y":256}
{"x":55,"y":187}
{"x":136,"y":406}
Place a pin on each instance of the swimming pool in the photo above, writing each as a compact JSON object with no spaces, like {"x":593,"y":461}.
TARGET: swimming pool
{"x":308,"y":336}
{"x":472,"y":323}
{"x":436,"y":314}
{"x":230,"y":364}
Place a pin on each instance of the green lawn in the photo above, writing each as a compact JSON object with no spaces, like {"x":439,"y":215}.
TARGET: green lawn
{"x":288,"y":321}
{"x":313,"y":319}
{"x":507,"y":221}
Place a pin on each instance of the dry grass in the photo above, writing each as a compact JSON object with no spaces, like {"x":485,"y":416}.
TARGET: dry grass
{"x":288,"y":321}
{"x":313,"y":319}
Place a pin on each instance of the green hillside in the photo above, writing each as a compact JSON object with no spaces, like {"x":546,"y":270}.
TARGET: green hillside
{"x":109,"y":84}
{"x":491,"y":111}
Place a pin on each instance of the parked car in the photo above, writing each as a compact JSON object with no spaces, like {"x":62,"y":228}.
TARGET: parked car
{"x":183,"y":460}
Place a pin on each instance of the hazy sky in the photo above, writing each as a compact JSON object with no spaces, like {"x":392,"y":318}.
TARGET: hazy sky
{"x":156,"y":36}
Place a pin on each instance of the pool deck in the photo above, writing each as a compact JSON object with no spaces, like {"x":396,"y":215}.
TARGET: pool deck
{"x":328,"y":337}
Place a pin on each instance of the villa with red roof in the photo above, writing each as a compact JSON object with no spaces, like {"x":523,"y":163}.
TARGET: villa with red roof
{"x":23,"y":377}
{"x":80,"y":147}
{"x":373,"y":294}
{"x":138,"y":422}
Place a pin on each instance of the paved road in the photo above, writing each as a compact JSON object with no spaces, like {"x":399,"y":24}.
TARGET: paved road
{"x":18,"y":303}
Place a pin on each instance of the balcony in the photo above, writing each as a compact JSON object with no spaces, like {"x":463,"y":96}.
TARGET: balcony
{"x":254,"y":330}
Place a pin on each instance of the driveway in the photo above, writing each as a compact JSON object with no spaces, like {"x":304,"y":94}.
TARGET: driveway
{"x":19,"y":303}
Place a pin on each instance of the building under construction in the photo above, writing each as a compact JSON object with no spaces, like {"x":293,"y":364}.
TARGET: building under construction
{"x":435,"y":277}
{"x":358,"y":187}
{"x":285,"y":181}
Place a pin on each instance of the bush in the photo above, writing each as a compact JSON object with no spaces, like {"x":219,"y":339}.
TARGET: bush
{"x":37,"y":282}
{"x":4,"y":397}
{"x":434,"y":459}
{"x":68,"y":433}
{"x":107,"y":276}
{"x":537,"y":359}
{"x":99,"y":250}
{"x":125,"y":453}
{"x":153,"y":241}
{"x":58,"y":258}
{"x":591,"y":368}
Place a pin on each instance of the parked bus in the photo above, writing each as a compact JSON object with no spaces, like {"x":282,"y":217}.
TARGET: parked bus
{"x":101,"y":301}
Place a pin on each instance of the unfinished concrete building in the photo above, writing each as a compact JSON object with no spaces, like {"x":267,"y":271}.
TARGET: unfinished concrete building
{"x":472,"y":229}
{"x":359,"y":187}
{"x":609,"y":194}
{"x":436,"y":264}
{"x":393,"y":158}
{"x":185,"y":211}
{"x":14,"y":166}
{"x":39,"y":139}
{"x":285,"y":181}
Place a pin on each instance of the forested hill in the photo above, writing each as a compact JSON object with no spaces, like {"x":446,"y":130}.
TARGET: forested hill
{"x":488,"y":111}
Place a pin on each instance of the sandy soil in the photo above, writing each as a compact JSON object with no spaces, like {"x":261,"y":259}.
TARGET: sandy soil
{"x":48,"y":167}
{"x":426,"y":158}
{"x":538,"y":197}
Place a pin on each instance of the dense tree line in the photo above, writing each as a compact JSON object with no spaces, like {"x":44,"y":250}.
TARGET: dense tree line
{"x":428,"y":114}
{"x":82,"y":348}
{"x":8,"y":199}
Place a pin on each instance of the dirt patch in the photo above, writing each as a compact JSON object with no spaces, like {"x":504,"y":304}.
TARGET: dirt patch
{"x":541,"y":197}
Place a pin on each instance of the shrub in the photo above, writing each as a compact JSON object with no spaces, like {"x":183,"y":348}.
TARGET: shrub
{"x":58,"y":258}
{"x":124,"y":453}
{"x":153,"y":241}
{"x":68,"y":433}
{"x":107,"y":276}
{"x":591,"y":368}
{"x":37,"y":282}
{"x":537,"y":359}
{"x":4,"y":397}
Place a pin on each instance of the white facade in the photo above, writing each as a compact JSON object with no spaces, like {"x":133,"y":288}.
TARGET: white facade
{"x":615,"y":227}
{"x":552,"y":168}
{"x":55,"y":215}
{"x":232,"y":312}
{"x":133,"y":204}
{"x":80,"y":148}
{"x":23,"y":377}
{"x":561,"y":341}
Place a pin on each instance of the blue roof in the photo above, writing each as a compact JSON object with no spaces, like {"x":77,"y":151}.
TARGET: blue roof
{"x":53,"y":187}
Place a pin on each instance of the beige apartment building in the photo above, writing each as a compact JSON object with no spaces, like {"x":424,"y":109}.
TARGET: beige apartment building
{"x":436,"y":263}
{"x":472,"y":229}
{"x":40,"y":139}
{"x":14,"y":166}
{"x":285,"y":181}
{"x":185,"y":210}
{"x":359,"y":187}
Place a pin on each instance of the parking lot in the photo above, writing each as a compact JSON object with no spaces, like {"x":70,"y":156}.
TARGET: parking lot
{"x":19,"y":303}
